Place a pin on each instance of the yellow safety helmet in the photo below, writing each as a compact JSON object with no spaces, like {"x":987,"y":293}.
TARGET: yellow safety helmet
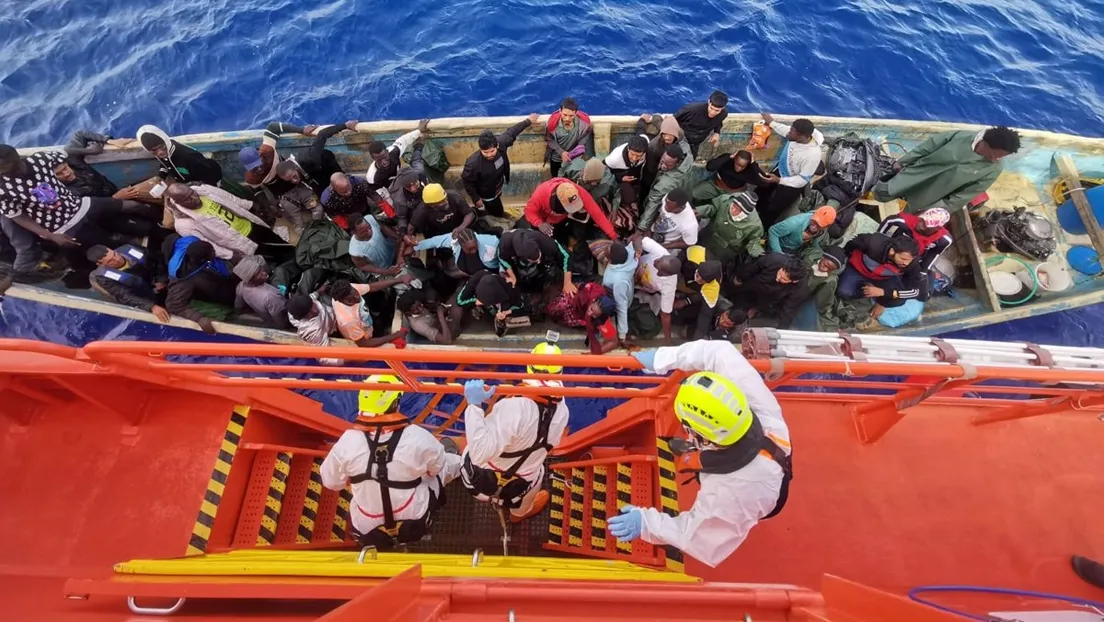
{"x":376,"y":403}
{"x":713,"y":407}
{"x":546,"y":348}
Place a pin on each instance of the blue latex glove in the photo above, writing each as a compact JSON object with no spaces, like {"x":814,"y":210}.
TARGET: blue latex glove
{"x":627,"y":525}
{"x":646,"y":358}
{"x":476,"y":393}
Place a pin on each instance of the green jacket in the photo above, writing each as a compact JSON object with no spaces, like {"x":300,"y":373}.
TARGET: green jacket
{"x":665,"y":182}
{"x":943,"y":167}
{"x":788,"y":237}
{"x":725,"y":237}
{"x":822,"y":291}
{"x":607,"y":188}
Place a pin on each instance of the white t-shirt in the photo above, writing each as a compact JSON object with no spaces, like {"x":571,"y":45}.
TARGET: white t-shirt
{"x":649,"y":280}
{"x":683,"y":225}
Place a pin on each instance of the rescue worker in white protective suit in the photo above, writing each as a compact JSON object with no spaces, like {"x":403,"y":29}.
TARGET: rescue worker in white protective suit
{"x":736,"y":423}
{"x":506,"y":448}
{"x":398,"y":471}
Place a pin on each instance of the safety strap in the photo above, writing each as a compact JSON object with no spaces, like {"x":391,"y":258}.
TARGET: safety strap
{"x":379,"y":456}
{"x":547,"y":411}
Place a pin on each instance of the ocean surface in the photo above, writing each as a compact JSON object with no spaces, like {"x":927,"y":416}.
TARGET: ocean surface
{"x":112,"y":65}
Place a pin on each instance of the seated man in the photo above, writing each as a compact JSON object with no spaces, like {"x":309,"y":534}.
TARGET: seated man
{"x":197,"y":275}
{"x":313,"y":319}
{"x":883,"y":268}
{"x":626,"y":164}
{"x":561,"y":209}
{"x":677,"y":226}
{"x":949,"y":168}
{"x":372,"y":250}
{"x":397,"y":471}
{"x":619,"y":277}
{"x":348,"y":194}
{"x":315,"y":167}
{"x":770,"y":289}
{"x":657,"y":280}
{"x":822,"y":287}
{"x":425,"y":316}
{"x":803,"y":235}
{"x":674,"y":166}
{"x":387,"y":160}
{"x":595,"y":178}
{"x":130,"y":275}
{"x":80,"y":176}
{"x":441,"y":212}
{"x":568,"y":135}
{"x":178,"y":162}
{"x":703,"y":121}
{"x":260,"y":164}
{"x":351,"y":312}
{"x":255,"y":292}
{"x":929,"y":231}
{"x":406,"y":192}
{"x":486,"y":293}
{"x":224,"y":220}
{"x":487,"y":170}
{"x":471,"y":252}
{"x":725,"y":323}
{"x":732,"y":172}
{"x":534,"y":263}
{"x":734,"y":233}
{"x":503,"y":462}
{"x":300,"y":203}
{"x":798,"y":160}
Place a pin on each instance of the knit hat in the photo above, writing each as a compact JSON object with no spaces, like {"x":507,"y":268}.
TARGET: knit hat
{"x":248,"y":267}
{"x":745,"y":200}
{"x":670,"y":126}
{"x":608,"y":306}
{"x":433,"y":193}
{"x":710,"y":270}
{"x":491,"y":290}
{"x":935,"y":217}
{"x":487,"y":139}
{"x":567,"y":191}
{"x":526,"y":245}
{"x":594,"y":170}
{"x":835,"y":254}
{"x":824,"y":216}
{"x":250,"y":158}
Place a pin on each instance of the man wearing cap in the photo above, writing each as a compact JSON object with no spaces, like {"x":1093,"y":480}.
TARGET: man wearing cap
{"x":803,"y":235}
{"x":595,"y":178}
{"x":313,"y":319}
{"x":532,"y":261}
{"x":487,"y":170}
{"x":657,"y":279}
{"x":132,"y":276}
{"x":734,"y":233}
{"x":256,"y":293}
{"x":396,"y":470}
{"x":503,"y":462}
{"x":441,"y":212}
{"x":823,"y":279}
{"x":674,"y":166}
{"x":677,"y":226}
{"x":703,"y":121}
{"x":560,"y":208}
{"x":797,"y":162}
{"x":931,"y":235}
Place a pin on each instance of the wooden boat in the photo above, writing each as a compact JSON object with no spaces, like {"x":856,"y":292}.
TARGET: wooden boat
{"x":1028,"y":181}
{"x":183,"y":477}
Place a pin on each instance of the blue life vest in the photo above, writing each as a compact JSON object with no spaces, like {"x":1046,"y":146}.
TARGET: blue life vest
{"x":135,"y":256}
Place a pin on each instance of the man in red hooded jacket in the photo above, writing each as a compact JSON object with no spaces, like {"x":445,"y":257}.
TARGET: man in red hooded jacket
{"x":562,"y":209}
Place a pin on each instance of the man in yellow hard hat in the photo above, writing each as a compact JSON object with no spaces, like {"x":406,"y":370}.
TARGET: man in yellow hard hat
{"x":397,"y":471}
{"x":730,"y":416}
{"x":503,"y":463}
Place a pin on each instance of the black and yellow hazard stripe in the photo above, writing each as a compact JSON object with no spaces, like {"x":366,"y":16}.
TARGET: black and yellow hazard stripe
{"x":575,"y":515}
{"x":208,"y":509}
{"x":668,"y":497}
{"x":309,"y":516}
{"x":624,"y":497}
{"x":341,"y":519}
{"x":598,"y":509}
{"x":266,"y":535}
{"x":556,"y":510}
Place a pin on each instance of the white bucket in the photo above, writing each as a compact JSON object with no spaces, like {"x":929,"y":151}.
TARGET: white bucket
{"x":1053,"y":277}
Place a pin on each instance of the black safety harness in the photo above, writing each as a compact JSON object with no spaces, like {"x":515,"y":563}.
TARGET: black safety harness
{"x":740,"y":454}
{"x":392,"y":532}
{"x":505,"y":488}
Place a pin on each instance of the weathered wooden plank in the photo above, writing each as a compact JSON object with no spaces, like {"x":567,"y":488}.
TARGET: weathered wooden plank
{"x":965,"y":227}
{"x":1068,"y":170}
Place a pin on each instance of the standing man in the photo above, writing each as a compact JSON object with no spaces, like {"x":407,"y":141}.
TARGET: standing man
{"x":397,"y":471}
{"x":732,"y":418}
{"x":562,"y":209}
{"x":951,"y":168}
{"x":674,"y":166}
{"x":487,"y":170}
{"x":569,"y":131}
{"x":657,"y":280}
{"x":703,"y":121}
{"x":798,"y":160}
{"x":386,"y":160}
{"x":503,"y":463}
{"x":626,"y":163}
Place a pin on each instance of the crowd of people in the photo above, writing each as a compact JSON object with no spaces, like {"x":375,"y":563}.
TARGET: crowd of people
{"x":634,"y":244}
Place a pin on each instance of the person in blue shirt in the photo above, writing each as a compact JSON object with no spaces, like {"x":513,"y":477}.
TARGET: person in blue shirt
{"x":803,"y":235}
{"x":471,"y":252}
{"x":371,"y":249}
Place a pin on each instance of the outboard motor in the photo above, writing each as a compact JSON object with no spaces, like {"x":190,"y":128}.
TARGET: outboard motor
{"x":1017,"y":231}
{"x":854,"y":166}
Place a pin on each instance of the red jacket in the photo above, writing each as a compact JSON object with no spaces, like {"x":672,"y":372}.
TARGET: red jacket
{"x":539,"y":207}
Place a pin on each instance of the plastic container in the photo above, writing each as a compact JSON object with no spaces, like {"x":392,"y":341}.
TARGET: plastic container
{"x":1053,"y":277}
{"x":1071,"y":221}
{"x":1084,"y":259}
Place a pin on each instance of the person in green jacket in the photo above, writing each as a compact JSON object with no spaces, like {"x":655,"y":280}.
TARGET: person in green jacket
{"x":804,"y":234}
{"x":674,"y":167}
{"x":952,"y":167}
{"x":734,"y":230}
{"x":823,"y":279}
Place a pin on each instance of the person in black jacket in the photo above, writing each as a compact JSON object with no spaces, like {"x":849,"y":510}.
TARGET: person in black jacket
{"x":883,"y":268}
{"x":132,"y":276}
{"x":533,"y":261}
{"x":732,"y":172}
{"x":487,"y":170}
{"x":770,"y":289}
{"x":703,"y":120}
{"x":315,"y":167}
{"x":78,"y":175}
{"x":178,"y":162}
{"x":195,"y":273}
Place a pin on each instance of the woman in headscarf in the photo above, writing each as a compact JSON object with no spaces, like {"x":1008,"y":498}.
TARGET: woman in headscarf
{"x":178,"y":162}
{"x":592,"y":307}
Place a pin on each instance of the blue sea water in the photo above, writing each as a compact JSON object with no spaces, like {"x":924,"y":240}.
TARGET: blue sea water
{"x":112,"y":65}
